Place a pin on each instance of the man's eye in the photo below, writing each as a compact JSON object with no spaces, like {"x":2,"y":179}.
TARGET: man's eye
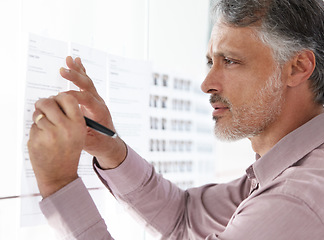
{"x":209,"y":63}
{"x":229,"y":61}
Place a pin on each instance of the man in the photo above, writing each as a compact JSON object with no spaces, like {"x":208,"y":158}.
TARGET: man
{"x":266,"y":83}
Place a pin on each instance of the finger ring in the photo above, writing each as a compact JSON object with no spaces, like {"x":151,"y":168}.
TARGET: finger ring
{"x":39,"y":117}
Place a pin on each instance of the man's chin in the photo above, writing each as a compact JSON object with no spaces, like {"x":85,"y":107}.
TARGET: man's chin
{"x":229,"y":134}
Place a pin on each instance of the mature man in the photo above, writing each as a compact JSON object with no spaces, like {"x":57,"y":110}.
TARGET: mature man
{"x":266,"y":82}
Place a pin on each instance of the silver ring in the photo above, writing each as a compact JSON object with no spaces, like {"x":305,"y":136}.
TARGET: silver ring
{"x":39,"y":117}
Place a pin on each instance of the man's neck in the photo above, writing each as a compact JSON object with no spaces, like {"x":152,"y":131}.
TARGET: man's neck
{"x":285,"y":124}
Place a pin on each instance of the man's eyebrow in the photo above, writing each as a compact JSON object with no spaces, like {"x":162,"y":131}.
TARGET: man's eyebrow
{"x":217,"y":54}
{"x":224,"y":54}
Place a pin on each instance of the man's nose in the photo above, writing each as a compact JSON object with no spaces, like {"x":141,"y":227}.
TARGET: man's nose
{"x":211,"y":84}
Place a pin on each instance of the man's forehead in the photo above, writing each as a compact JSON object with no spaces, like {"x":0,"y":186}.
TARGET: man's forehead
{"x":231,"y":40}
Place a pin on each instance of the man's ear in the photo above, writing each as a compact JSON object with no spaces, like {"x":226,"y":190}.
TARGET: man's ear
{"x":301,"y":67}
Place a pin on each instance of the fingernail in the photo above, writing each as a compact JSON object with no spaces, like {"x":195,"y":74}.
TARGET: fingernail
{"x":65,"y":70}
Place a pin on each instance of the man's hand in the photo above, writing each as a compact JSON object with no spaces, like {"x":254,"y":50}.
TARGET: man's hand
{"x":56,"y":140}
{"x":109,"y":152}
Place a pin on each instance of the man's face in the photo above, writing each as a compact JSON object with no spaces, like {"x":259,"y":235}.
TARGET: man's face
{"x":244,"y":82}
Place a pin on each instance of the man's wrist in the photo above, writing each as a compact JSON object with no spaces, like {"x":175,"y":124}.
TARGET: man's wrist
{"x":115,"y":156}
{"x":48,"y":188}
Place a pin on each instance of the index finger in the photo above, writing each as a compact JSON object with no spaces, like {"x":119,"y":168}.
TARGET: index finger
{"x":75,"y":64}
{"x":78,"y":62}
{"x":79,"y":79}
{"x":50,"y":108}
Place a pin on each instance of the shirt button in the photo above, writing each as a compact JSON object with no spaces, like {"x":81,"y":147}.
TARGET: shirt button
{"x":254,"y":183}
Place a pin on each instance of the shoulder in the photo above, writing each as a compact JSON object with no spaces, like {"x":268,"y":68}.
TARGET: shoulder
{"x":297,"y":190}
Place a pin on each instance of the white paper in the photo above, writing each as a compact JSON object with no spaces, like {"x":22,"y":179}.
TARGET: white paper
{"x":128,"y":100}
{"x":45,"y":58}
{"x":95,"y":62}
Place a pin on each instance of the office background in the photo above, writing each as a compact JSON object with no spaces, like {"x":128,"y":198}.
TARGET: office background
{"x":172,"y":34}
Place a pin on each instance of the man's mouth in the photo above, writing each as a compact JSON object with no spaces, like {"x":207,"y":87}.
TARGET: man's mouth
{"x":219,"y":104}
{"x":219,"y":109}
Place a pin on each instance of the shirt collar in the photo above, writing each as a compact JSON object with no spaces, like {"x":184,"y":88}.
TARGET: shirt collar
{"x":290,"y":149}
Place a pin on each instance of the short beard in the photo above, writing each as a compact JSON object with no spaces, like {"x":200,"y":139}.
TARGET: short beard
{"x":251,"y":120}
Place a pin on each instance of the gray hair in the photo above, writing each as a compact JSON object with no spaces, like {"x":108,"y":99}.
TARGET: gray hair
{"x":286,"y":26}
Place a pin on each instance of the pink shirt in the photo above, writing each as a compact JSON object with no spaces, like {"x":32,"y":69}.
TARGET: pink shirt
{"x":280,"y":197}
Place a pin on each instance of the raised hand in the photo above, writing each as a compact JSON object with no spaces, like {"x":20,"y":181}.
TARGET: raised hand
{"x":109,"y":152}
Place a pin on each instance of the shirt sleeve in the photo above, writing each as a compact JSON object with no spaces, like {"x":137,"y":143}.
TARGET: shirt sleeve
{"x":167,"y":209}
{"x":73,"y":214}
